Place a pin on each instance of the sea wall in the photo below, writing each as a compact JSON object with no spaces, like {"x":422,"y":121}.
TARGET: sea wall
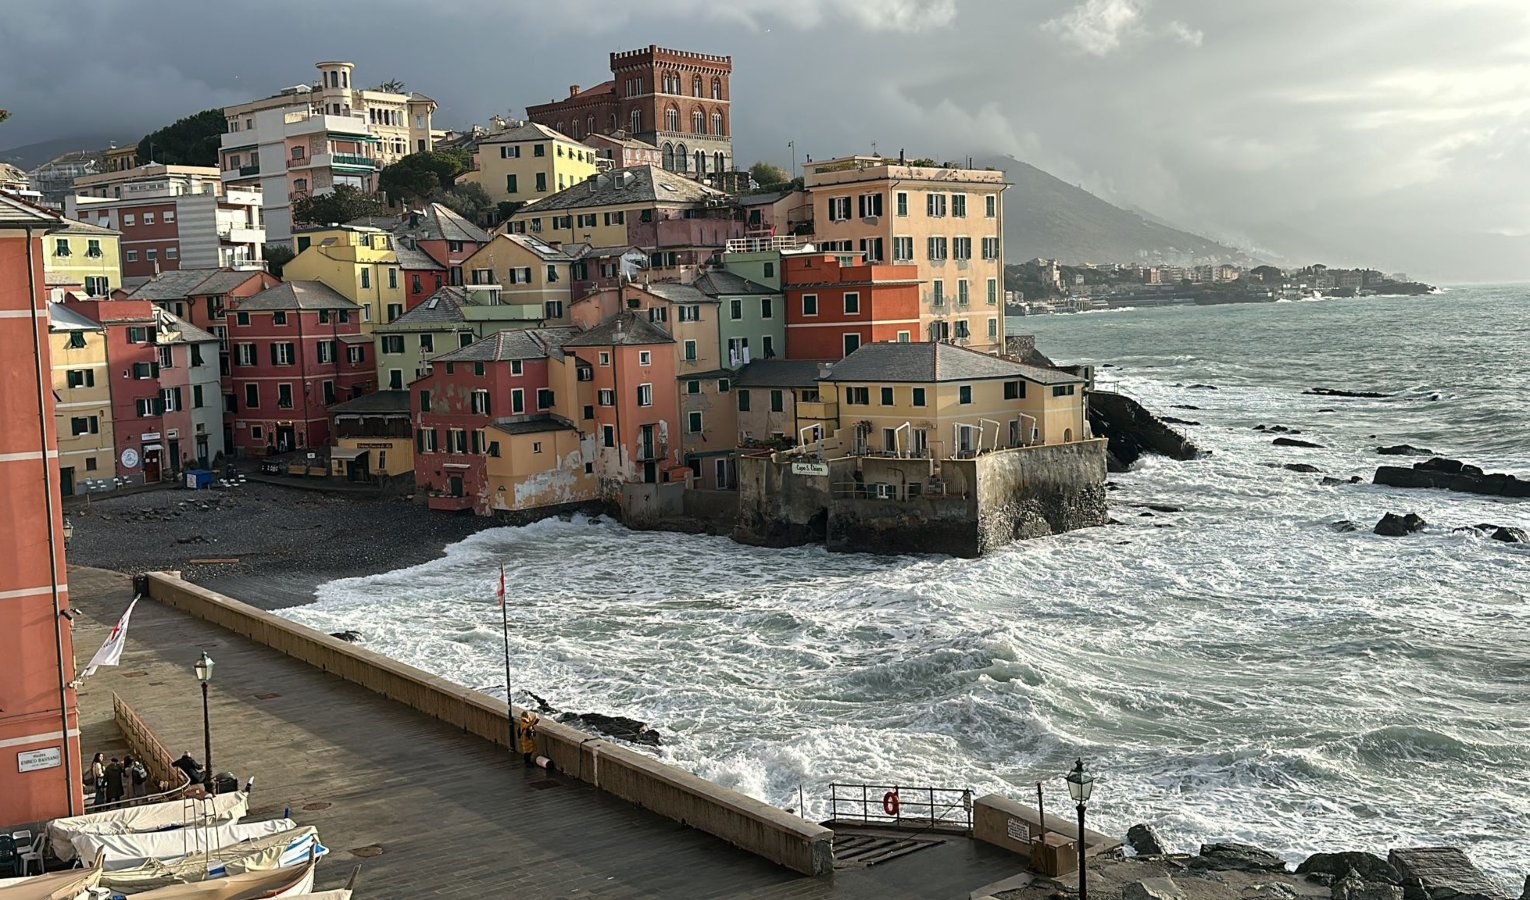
{"x":742,"y":821}
{"x":1036,"y":491}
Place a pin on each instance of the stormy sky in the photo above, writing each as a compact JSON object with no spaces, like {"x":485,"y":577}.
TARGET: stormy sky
{"x":1394,"y":133}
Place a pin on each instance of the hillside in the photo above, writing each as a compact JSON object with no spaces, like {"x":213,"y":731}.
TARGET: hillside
{"x":30,"y":156}
{"x":1047,"y":217}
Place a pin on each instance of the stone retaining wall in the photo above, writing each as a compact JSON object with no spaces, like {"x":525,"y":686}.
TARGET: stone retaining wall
{"x":742,"y":821}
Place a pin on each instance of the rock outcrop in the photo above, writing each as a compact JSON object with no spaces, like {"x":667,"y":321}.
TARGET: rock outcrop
{"x":1131,"y":430}
{"x":1353,"y":887}
{"x":1296,"y":442}
{"x":1144,"y":840}
{"x":1152,"y":889}
{"x":1440,"y":873}
{"x":1335,"y":392}
{"x":1393,"y":525}
{"x":620,"y":727}
{"x":1232,"y":855}
{"x":1404,"y":450}
{"x":1452,"y":475}
{"x":1368,"y":866}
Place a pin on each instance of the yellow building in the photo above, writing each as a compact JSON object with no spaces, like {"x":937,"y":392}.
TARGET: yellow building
{"x":373,"y":438}
{"x":527,"y":162}
{"x":82,"y":384}
{"x":948,"y":221}
{"x":529,"y":272}
{"x":939,"y":401}
{"x":356,"y":262}
{"x":540,"y":463}
{"x":82,"y":258}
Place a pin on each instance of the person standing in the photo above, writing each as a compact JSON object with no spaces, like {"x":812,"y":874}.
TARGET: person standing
{"x":114,"y":780}
{"x":96,"y":779}
{"x":136,"y":777}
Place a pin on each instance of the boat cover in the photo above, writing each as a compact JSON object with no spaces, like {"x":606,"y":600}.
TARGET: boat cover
{"x":224,"y":809}
{"x":125,"y":851}
{"x":288,"y":848}
{"x":287,"y":882}
{"x":66,"y":885}
{"x":322,"y":895}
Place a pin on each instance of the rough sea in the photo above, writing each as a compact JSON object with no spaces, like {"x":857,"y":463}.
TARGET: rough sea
{"x":1237,"y":670}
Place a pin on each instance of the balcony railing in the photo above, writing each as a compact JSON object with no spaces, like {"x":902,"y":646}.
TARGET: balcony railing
{"x":249,"y":170}
{"x":347,"y":159}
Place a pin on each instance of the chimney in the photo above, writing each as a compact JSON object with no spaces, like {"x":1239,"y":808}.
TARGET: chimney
{"x":902,"y":160}
{"x":573,"y":90}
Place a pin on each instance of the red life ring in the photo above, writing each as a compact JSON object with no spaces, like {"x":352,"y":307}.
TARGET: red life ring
{"x":890,"y":803}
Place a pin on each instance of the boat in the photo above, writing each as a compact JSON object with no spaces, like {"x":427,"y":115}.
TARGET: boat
{"x":275,"y":851}
{"x":224,"y":809}
{"x":294,"y":881}
{"x":126,"y":851}
{"x":70,"y":884}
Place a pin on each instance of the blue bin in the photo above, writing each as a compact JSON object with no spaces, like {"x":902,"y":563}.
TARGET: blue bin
{"x":199,"y":479}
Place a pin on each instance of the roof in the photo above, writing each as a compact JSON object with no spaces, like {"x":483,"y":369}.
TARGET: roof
{"x":678,"y":293}
{"x":386,"y":223}
{"x":785,"y":373}
{"x":75,"y":226}
{"x":411,"y":258}
{"x":933,"y":362}
{"x":538,"y":246}
{"x":375,"y":403}
{"x":184,"y":283}
{"x":503,"y":345}
{"x":525,"y":131}
{"x":623,"y":329}
{"x":187,"y":332}
{"x":721,"y":283}
{"x":765,"y":198}
{"x":17,"y":213}
{"x":535,"y":425}
{"x":62,"y":318}
{"x":629,"y":142}
{"x":438,"y":223}
{"x":633,"y":184}
{"x":441,"y":308}
{"x":299,"y":295}
{"x":221,"y":281}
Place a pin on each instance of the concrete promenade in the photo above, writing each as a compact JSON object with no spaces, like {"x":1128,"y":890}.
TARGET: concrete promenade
{"x":452,"y":815}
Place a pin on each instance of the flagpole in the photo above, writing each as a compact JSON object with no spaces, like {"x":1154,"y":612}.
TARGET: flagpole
{"x":504,"y":619}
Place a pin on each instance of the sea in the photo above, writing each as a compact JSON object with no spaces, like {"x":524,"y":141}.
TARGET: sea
{"x":1234,"y":670}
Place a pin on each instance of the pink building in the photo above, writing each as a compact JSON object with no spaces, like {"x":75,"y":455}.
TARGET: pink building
{"x":637,"y":412}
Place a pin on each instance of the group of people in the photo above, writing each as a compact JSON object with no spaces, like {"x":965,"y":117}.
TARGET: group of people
{"x":116,"y":780}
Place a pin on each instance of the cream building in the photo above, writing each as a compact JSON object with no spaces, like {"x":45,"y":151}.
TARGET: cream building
{"x":526,"y":162}
{"x":356,"y":262}
{"x":948,"y":221}
{"x":82,"y":258}
{"x":82,"y":384}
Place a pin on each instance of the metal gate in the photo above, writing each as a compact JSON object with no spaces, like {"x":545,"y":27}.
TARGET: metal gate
{"x":901,"y":806}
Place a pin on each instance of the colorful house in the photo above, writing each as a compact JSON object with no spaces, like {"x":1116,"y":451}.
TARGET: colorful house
{"x":835,"y":304}
{"x":444,"y":236}
{"x":82,"y":384}
{"x":131,"y":329}
{"x":532,"y":276}
{"x":356,"y":262}
{"x":778,"y":401}
{"x":296,"y":350}
{"x":191,"y":393}
{"x":373,"y":437}
{"x":83,"y":259}
{"x":636,"y":414}
{"x":453,"y":318}
{"x":528,"y":162}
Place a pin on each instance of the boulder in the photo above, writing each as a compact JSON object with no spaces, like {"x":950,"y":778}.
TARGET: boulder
{"x":350,"y":637}
{"x":1175,"y":420}
{"x":1201,"y":387}
{"x":1510,"y":535}
{"x":1144,"y":841}
{"x":1295,"y":442}
{"x":1353,"y":887}
{"x":1186,"y":406}
{"x":1404,"y":450}
{"x":1454,"y":475}
{"x":1335,"y":392}
{"x":1440,"y":873}
{"x":1368,"y":866}
{"x":1164,"y":508}
{"x":1152,"y":889}
{"x":1302,"y":467}
{"x":1393,"y":525}
{"x":1342,"y":526}
{"x":1232,"y":855}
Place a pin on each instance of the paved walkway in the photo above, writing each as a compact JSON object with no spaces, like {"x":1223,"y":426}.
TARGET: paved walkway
{"x":452,"y":814}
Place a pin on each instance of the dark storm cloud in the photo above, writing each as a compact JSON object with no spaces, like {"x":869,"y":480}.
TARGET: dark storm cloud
{"x":1389,"y":132}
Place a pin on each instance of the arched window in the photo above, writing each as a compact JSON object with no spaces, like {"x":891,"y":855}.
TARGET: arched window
{"x":696,"y":86}
{"x":701,"y":162}
{"x":589,"y":125}
{"x":613,"y":121}
{"x":717,"y":89}
{"x":719,"y":165}
{"x":717,"y":123}
{"x":681,"y":160}
{"x":637,"y":121}
{"x":559,"y":129}
{"x":698,"y":122}
{"x":669,"y":156}
{"x":672,"y":119}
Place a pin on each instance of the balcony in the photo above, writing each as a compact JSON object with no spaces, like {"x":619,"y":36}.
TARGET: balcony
{"x":448,"y":503}
{"x":246,"y":171}
{"x":240,"y":234}
{"x":347,"y":159}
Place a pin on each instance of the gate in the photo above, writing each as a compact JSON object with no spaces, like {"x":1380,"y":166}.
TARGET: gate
{"x":901,"y":807}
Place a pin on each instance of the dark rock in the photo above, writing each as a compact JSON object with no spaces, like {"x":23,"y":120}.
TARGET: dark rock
{"x":1452,"y":475}
{"x":1326,"y":409}
{"x":1243,"y":857}
{"x":1354,"y":479}
{"x":350,"y":637}
{"x":1393,"y":525}
{"x":1510,"y":535}
{"x":1404,"y":450}
{"x":1441,"y":464}
{"x":1441,"y":873}
{"x":1144,"y":514}
{"x":1302,"y":467}
{"x":1353,"y":887}
{"x":1295,"y":442}
{"x":1172,"y":420}
{"x":1157,"y":507}
{"x":1131,"y":430}
{"x":620,"y":727}
{"x":1152,"y":889}
{"x":1185,"y":406}
{"x":1344,"y":526}
{"x":1144,"y":841}
{"x":1334,"y":392}
{"x":1330,"y":481}
{"x":1201,"y":387}
{"x":1368,"y":866}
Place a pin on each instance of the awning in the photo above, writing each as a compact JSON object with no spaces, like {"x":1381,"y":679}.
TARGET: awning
{"x":153,"y":447}
{"x":347,"y":452}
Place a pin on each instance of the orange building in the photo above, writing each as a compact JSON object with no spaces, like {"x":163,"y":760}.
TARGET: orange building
{"x":835,"y":305}
{"x":636,"y":414}
{"x":39,"y":722}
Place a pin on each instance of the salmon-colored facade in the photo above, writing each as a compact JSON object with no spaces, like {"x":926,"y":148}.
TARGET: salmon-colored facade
{"x":40,"y":774}
{"x":834,"y":308}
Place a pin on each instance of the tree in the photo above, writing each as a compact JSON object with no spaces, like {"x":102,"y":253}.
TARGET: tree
{"x":192,"y":141}
{"x":4,"y":114}
{"x":392,"y":86}
{"x":419,"y":175}
{"x":276,"y":256}
{"x":470,"y":201}
{"x":1267,"y":274}
{"x":342,"y":205}
{"x":768,"y":174}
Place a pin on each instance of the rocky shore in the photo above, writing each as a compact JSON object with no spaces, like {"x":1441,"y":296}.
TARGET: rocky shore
{"x":1452,"y":475}
{"x":274,"y":545}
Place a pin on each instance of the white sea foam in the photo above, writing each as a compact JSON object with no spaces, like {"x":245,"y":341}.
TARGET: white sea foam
{"x":1237,"y":670}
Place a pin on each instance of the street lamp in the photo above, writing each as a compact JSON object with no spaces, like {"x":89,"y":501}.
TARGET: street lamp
{"x":204,"y":669}
{"x":1080,"y":784}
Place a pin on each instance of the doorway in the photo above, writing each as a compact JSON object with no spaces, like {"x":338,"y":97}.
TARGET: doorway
{"x":454,"y":484}
{"x":66,"y":481}
{"x":150,"y":464}
{"x":286,"y":438}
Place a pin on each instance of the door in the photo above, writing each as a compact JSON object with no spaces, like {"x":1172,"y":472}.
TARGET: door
{"x":151,"y":465}
{"x":723,"y":483}
{"x":175,"y":455}
{"x":965,"y":440}
{"x":921,"y":446}
{"x":650,"y":473}
{"x":1014,"y":432}
{"x":286,"y":438}
{"x":455,"y":484}
{"x":66,"y":481}
{"x":203,"y":461}
{"x":645,"y":450}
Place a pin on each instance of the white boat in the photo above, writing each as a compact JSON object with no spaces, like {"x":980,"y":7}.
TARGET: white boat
{"x":294,"y":881}
{"x":70,"y":884}
{"x":287,"y":848}
{"x":126,"y":851}
{"x":224,"y":809}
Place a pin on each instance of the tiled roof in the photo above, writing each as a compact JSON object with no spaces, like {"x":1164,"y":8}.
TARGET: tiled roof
{"x":444,"y":307}
{"x":221,"y":281}
{"x":526,"y":131}
{"x":503,"y":345}
{"x":188,"y":333}
{"x":383,"y":402}
{"x":75,"y":226}
{"x":624,"y":329}
{"x":678,"y":293}
{"x":535,"y":425}
{"x":721,"y":283}
{"x":538,"y":246}
{"x":299,"y":295}
{"x":16,"y":212}
{"x":633,"y":184}
{"x":780,"y":373}
{"x":184,"y":283}
{"x":411,"y":258}
{"x":438,"y":223}
{"x":933,"y":362}
{"x":62,"y":318}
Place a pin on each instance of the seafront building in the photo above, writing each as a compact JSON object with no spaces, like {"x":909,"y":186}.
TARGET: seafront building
{"x":39,"y":719}
{"x":309,"y":139}
{"x":356,"y":262}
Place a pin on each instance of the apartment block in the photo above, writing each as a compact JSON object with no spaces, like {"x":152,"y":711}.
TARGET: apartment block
{"x":631,"y":370}
{"x":527,"y":162}
{"x":947,"y":222}
{"x":835,"y":304}
{"x":358,"y":263}
{"x":82,"y":385}
{"x":82,"y":260}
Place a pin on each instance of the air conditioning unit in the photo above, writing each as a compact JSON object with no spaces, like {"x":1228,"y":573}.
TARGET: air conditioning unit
{"x":869,"y":220}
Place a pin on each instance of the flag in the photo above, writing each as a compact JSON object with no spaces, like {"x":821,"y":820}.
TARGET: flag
{"x":111,"y":651}
{"x":501,"y":586}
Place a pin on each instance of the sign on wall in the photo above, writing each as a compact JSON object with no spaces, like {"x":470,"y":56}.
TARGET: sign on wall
{"x":1019,"y":830}
{"x":802,"y":468}
{"x":130,"y":458}
{"x":46,"y":758}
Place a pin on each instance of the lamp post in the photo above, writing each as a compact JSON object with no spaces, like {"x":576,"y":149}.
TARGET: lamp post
{"x":1080,"y":784}
{"x":204,"y":669}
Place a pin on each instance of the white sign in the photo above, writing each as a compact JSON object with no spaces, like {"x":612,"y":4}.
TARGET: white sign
{"x":46,"y":758}
{"x":130,"y":458}
{"x":799,"y":468}
{"x":1019,"y":830}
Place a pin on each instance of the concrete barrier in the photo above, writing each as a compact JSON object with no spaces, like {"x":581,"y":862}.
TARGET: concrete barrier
{"x":1052,"y":848}
{"x":746,"y":823}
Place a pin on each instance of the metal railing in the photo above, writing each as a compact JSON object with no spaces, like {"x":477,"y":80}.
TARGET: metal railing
{"x":901,"y":807}
{"x":149,"y":750}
